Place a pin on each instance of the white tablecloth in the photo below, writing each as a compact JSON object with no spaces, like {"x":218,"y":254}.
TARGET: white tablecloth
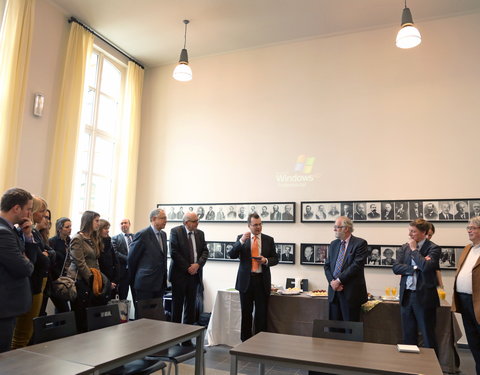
{"x":224,"y":325}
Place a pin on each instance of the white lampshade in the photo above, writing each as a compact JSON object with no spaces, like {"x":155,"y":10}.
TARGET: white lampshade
{"x":408,"y":37}
{"x":182,"y":72}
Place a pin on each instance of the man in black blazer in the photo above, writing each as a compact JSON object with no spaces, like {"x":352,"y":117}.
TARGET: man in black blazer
{"x":417,"y":262}
{"x":147,"y":259}
{"x":189,"y":254}
{"x":344,"y":269}
{"x":121,"y":243}
{"x":257,"y":254}
{"x":445,"y":213}
{"x":15,"y":268}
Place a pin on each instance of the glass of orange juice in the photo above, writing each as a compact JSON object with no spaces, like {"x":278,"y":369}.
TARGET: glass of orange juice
{"x":388,"y":290}
{"x":394,"y":291}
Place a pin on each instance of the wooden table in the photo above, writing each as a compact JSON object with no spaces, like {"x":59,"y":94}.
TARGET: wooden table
{"x":21,"y":362}
{"x":333,"y":356}
{"x":107,"y":348}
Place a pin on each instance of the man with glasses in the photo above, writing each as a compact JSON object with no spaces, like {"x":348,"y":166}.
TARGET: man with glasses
{"x":189,"y":253}
{"x":417,"y":262}
{"x":257,"y":254}
{"x":344,"y":269}
{"x":467,"y":289}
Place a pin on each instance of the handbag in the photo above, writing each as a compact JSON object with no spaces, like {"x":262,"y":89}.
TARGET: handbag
{"x":64,"y":287}
{"x":123,"y":307}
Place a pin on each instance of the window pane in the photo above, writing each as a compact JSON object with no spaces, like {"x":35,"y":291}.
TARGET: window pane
{"x":84,"y":151}
{"x":88,"y":107}
{"x":100,"y":196}
{"x":80,"y":197}
{"x":111,"y":79}
{"x":107,"y":114}
{"x":103,"y":157}
{"x":92,"y":69}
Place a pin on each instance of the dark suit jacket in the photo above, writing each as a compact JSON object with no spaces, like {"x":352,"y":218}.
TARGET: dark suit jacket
{"x":387,"y":216}
{"x":120,"y":247}
{"x":414,"y":215}
{"x":442,"y":216}
{"x":426,"y":277}
{"x":458,"y":216}
{"x":352,"y":275}
{"x":359,"y":216}
{"x":15,"y":271}
{"x":180,"y":253}
{"x":147,"y":263}
{"x":245,"y":254}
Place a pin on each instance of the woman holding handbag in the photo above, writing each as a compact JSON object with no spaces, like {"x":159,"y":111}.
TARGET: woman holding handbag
{"x":108,"y":260}
{"x":84,"y":252}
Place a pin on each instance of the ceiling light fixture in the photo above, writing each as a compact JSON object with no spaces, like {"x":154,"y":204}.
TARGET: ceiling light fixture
{"x":182,"y":71}
{"x":408,"y":36}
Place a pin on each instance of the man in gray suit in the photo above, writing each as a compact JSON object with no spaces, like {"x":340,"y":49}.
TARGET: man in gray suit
{"x":147,"y":259}
{"x":15,"y":268}
{"x":121,"y":244}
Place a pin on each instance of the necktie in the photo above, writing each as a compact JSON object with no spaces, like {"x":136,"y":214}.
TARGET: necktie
{"x":159,"y":238}
{"x":129,"y":239}
{"x":255,"y":253}
{"x":340,"y":258}
{"x":191,"y":238}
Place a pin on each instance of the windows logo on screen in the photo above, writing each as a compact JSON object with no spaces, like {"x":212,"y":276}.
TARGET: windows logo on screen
{"x":304,"y":164}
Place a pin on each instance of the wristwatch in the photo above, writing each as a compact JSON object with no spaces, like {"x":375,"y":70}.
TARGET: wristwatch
{"x":415,"y":268}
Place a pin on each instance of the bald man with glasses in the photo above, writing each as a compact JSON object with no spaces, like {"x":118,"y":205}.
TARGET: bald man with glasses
{"x":344,"y":269}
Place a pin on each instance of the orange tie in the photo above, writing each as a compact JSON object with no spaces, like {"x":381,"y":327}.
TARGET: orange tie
{"x":255,"y":253}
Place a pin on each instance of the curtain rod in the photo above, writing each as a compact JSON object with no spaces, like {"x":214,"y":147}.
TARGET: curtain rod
{"x":88,"y":28}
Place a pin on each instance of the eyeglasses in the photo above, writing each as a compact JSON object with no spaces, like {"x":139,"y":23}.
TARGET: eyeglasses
{"x":255,"y":225}
{"x":193,"y":221}
{"x":472,"y":228}
{"x":338,"y":226}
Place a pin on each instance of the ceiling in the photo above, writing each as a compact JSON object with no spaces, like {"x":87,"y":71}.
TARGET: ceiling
{"x":152,"y":30}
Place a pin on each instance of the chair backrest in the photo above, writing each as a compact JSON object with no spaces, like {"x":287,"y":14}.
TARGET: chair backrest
{"x":51,"y":327}
{"x":291,"y":283}
{"x":340,"y":330}
{"x":151,"y":308}
{"x":102,"y":316}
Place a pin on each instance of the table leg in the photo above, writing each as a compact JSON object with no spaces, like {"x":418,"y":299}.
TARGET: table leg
{"x":199,"y":356}
{"x":261,"y":368}
{"x":233,"y":365}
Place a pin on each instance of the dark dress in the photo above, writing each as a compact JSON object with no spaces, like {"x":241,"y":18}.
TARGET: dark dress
{"x":109,"y":264}
{"x":60,"y":247}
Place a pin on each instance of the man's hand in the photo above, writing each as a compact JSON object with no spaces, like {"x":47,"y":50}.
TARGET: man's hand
{"x":27,"y":229}
{"x":245,"y":237}
{"x":413,"y":244}
{"x":193,"y":269}
{"x":336,"y":285}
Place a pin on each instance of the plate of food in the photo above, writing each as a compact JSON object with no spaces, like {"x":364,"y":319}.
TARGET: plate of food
{"x":317,"y":293}
{"x":291,"y":291}
{"x":389,"y":298}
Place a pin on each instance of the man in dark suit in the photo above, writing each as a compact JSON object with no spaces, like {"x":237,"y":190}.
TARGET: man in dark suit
{"x":276,"y":215}
{"x":147,"y":259}
{"x":417,"y":261}
{"x":121,"y":244}
{"x":15,"y":268}
{"x":307,"y":256}
{"x":287,"y":215}
{"x":387,"y":211}
{"x":347,"y":210}
{"x":257,"y":254}
{"x":462,"y":211}
{"x":445,"y":213}
{"x":475,"y":209}
{"x":373,"y":214}
{"x":189,"y":254}
{"x":344,"y":269}
{"x":416,"y":211}
{"x":287,"y":255}
{"x":430,"y":212}
{"x":359,"y":212}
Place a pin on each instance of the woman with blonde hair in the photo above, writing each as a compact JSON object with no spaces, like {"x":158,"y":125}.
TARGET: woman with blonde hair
{"x":39,"y":256}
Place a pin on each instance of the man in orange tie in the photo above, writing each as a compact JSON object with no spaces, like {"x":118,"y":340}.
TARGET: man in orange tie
{"x":257,"y":254}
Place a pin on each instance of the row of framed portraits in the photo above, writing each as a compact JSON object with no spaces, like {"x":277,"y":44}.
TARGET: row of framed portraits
{"x":219,"y":251}
{"x":445,"y":210}
{"x":316,"y":254}
{"x":277,"y":212}
{"x":378,"y":255}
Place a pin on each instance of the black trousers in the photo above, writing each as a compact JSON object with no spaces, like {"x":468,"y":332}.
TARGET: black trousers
{"x":472,"y":328}
{"x":140,"y":295}
{"x":339,"y":309}
{"x":254,"y":296}
{"x":7,"y":325}
{"x":123,"y":284}
{"x":184,"y":297}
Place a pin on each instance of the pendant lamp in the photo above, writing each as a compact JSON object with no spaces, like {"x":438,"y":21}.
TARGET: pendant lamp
{"x":182,"y":71}
{"x":408,"y":36}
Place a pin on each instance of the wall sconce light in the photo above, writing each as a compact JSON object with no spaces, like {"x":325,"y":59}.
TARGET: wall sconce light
{"x":182,"y":71}
{"x":408,"y":36}
{"x":38,"y":102}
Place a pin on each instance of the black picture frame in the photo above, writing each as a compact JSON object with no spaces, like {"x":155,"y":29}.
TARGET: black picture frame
{"x":218,"y":251}
{"x":379,"y":256}
{"x":271,"y":212}
{"x":388,"y":211}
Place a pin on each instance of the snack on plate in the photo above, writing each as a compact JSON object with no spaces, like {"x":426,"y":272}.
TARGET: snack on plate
{"x":318,"y":293}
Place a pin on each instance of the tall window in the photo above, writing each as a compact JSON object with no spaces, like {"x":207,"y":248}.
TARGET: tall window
{"x":98,"y":149}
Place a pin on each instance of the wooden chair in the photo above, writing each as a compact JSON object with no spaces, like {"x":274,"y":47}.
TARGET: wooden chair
{"x":108,"y":315}
{"x":153,"y":309}
{"x":339,"y":330}
{"x":51,"y":327}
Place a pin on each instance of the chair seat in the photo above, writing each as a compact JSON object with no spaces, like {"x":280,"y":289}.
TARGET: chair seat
{"x":175,"y":353}
{"x":143,"y":366}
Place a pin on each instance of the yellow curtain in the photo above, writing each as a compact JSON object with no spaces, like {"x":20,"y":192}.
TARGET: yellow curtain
{"x":132,"y":121}
{"x":67,"y":128}
{"x":15,"y":44}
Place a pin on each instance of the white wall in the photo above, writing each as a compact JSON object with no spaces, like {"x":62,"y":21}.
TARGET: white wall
{"x":383,"y":123}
